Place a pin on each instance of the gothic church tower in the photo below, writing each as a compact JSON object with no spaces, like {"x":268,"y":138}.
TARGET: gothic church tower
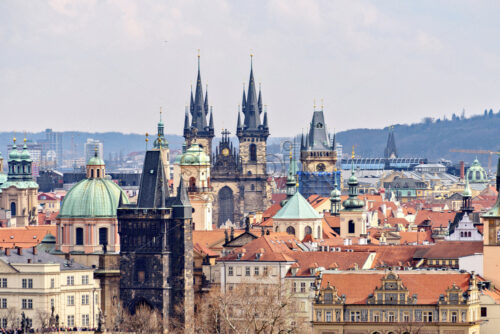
{"x":200,"y":130}
{"x":252,"y":135}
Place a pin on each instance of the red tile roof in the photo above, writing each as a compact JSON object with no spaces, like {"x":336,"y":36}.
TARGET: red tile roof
{"x":454,"y":249}
{"x":435,"y":218}
{"x":24,"y":237}
{"x":427,"y":286}
{"x":342,"y":261}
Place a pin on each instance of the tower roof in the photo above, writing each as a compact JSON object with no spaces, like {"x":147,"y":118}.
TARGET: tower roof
{"x":297,"y":207}
{"x":318,"y":139}
{"x":199,"y":109}
{"x":390,"y":148}
{"x":252,"y":108}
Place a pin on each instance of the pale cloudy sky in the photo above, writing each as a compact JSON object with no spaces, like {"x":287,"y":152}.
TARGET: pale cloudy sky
{"x":108,"y":65}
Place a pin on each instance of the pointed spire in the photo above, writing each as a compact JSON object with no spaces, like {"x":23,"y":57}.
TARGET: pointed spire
{"x":206,"y":99}
{"x":334,"y":141}
{"x":259,"y":101}
{"x":302,"y":141}
{"x":265,"y":120}
{"x":191,"y":102}
{"x":182,"y":195}
{"x":199,"y":104}
{"x":211,"y":123}
{"x":243,"y":100}
{"x":186,"y":121}
{"x":238,"y":126}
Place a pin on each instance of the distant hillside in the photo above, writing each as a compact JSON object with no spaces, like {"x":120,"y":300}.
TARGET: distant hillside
{"x":431,"y":138}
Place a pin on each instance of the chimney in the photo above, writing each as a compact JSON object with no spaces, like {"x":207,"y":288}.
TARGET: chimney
{"x":19,"y":251}
{"x":35,"y":250}
{"x":462,"y":170}
{"x":7,"y":251}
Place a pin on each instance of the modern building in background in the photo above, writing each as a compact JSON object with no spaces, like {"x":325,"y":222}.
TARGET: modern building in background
{"x":91,"y":146}
{"x":51,"y":150}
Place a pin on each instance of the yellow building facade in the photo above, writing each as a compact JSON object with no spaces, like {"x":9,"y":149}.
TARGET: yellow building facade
{"x":34,"y":282}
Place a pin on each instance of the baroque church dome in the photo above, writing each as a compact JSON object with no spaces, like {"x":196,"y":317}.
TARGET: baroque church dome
{"x":93,"y":197}
{"x":476,"y":173}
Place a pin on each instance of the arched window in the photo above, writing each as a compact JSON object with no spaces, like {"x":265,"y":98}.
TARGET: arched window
{"x":98,"y":173}
{"x":192,"y":183}
{"x":351,"y":227}
{"x":103,"y":236}
{"x":290,"y":230}
{"x":308,"y":230}
{"x":252,"y":187}
{"x":79,"y":236}
{"x":13,"y":209}
{"x":91,"y":173}
{"x":253,"y":152}
{"x":478,"y":175}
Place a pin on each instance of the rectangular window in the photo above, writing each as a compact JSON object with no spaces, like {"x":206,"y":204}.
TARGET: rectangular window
{"x":484,"y":312}
{"x":4,"y":322}
{"x":70,"y":280}
{"x":3,"y":303}
{"x":328,"y":316}
{"x":85,"y":320}
{"x":71,"y":301}
{"x":428,"y":316}
{"x":85,"y":279}
{"x":85,"y":299}
{"x":376,"y":317}
{"x":355,"y":316}
{"x":453,"y":316}
{"x":71,"y":320}
{"x":230,"y":271}
{"x":27,"y":283}
{"x":52,"y":283}
{"x":464,"y":316}
{"x":303,"y":287}
{"x":247,"y":271}
{"x":256,"y":271}
{"x":52,"y":305}
{"x":318,"y":315}
{"x":266,"y":271}
{"x":406,"y":317}
{"x":3,"y":283}
{"x":294,"y":286}
{"x":391,"y":317}
{"x":27,"y":304}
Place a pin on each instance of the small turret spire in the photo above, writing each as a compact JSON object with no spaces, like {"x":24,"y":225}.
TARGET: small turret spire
{"x":211,"y":123}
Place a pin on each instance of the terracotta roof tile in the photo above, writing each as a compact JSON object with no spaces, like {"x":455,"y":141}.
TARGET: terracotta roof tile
{"x":453,"y":249}
{"x":24,"y":237}
{"x":340,"y":260}
{"x":427,"y":286}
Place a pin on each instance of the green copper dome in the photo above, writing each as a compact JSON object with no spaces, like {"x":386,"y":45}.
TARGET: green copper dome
{"x":25,"y":155}
{"x":91,"y":198}
{"x":476,"y":173}
{"x":14,"y":153}
{"x":194,"y":155}
{"x":95,"y":161}
{"x":335,"y":194}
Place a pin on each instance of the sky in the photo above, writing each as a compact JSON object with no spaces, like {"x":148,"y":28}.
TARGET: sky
{"x":109,"y":65}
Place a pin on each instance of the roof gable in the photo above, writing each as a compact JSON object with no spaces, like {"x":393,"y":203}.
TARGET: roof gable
{"x":297,"y":207}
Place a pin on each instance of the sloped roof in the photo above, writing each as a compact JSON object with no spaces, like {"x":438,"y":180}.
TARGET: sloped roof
{"x":24,"y":237}
{"x":297,"y":207}
{"x":342,"y":260}
{"x":436,"y":218}
{"x":428,"y":286}
{"x":454,"y":249}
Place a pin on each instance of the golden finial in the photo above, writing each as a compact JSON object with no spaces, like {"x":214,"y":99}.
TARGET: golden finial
{"x":314,"y":104}
{"x":353,"y":155}
{"x":251,"y":53}
{"x":25,"y":140}
{"x":14,"y":139}
{"x":198,"y":53}
{"x":147,"y":134}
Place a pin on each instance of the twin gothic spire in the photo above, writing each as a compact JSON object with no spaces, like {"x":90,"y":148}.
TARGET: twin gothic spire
{"x":252,"y":108}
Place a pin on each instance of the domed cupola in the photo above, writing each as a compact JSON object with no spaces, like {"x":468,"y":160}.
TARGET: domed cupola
{"x":97,"y":196}
{"x":353,"y":202}
{"x":14,"y":153}
{"x":195,"y":156}
{"x":160,"y":141}
{"x":476,"y":173}
{"x":335,"y":198}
